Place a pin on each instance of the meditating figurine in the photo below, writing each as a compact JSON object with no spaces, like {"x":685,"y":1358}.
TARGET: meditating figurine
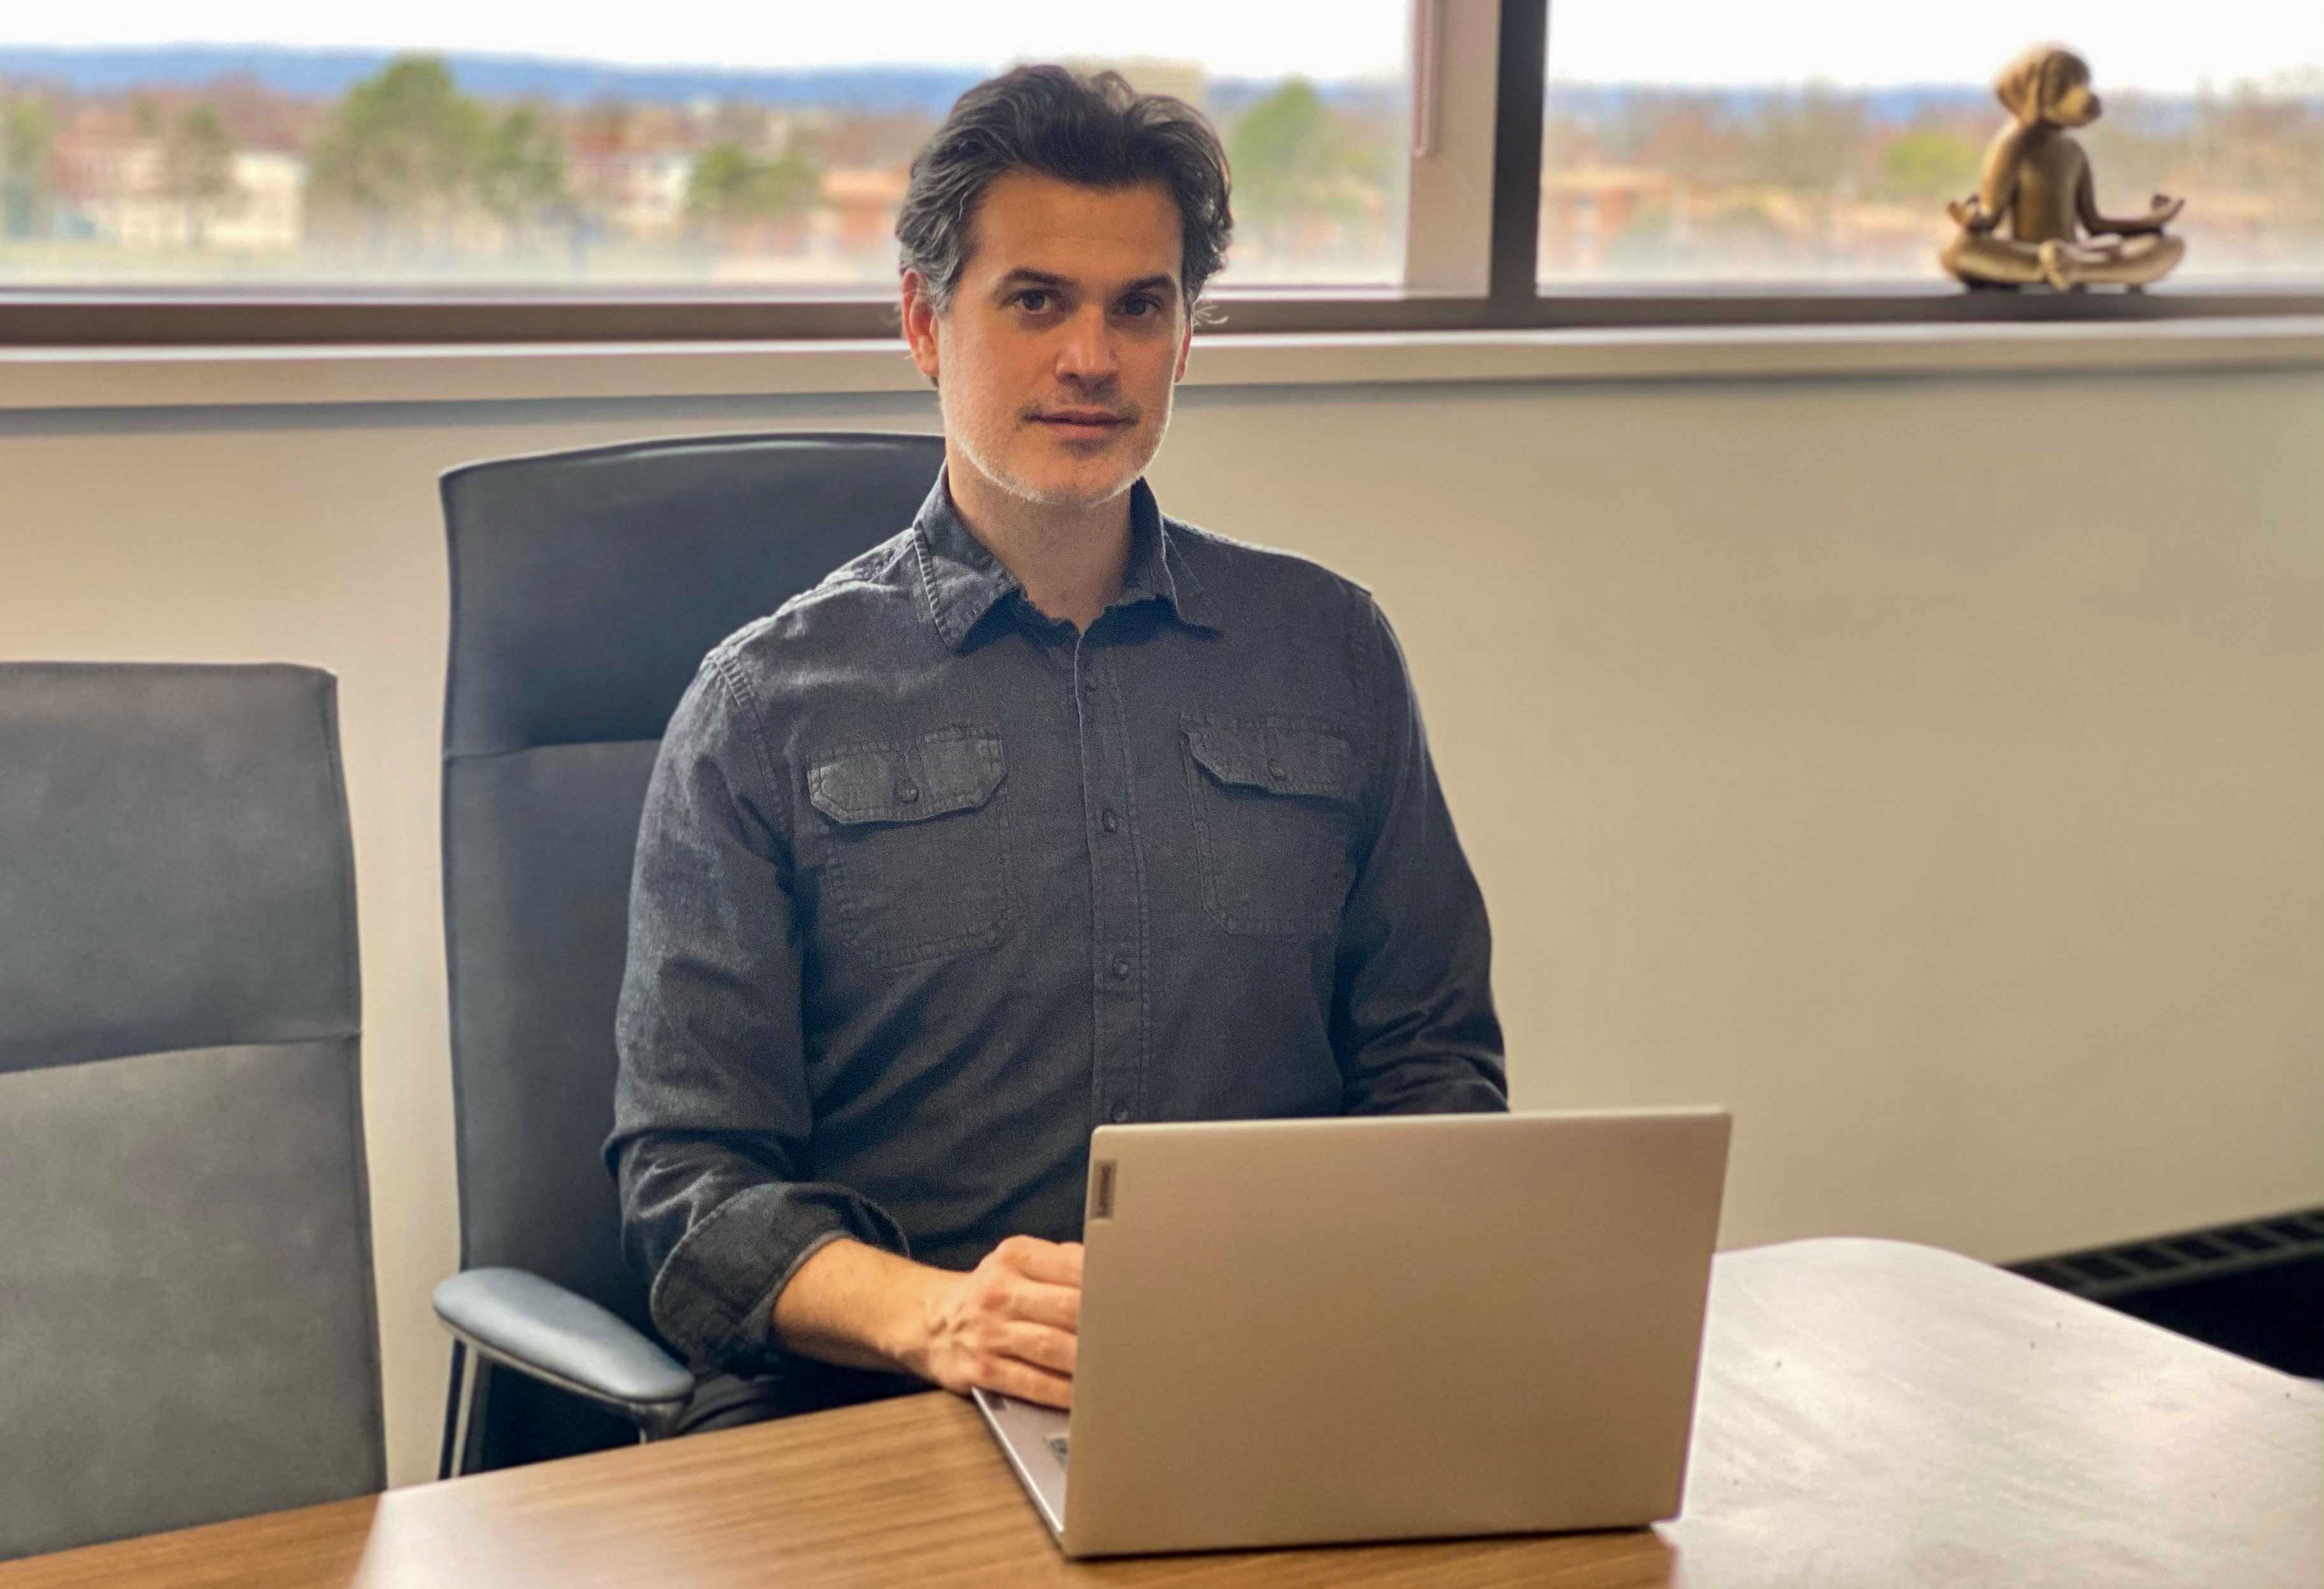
{"x":2036,"y":184}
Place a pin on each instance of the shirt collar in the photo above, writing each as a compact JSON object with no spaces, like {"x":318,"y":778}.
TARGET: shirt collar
{"x":961,"y":581}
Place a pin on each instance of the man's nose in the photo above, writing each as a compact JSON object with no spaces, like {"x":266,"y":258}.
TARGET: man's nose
{"x":1086,"y":355}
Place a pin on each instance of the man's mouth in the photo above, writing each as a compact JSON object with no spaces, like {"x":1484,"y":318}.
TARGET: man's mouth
{"x":1082,"y":421}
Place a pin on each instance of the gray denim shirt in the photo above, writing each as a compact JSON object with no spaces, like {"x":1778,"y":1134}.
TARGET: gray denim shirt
{"x":929,"y":885}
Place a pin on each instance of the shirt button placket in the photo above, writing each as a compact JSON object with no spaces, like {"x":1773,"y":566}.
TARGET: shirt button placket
{"x":1117,"y":1056}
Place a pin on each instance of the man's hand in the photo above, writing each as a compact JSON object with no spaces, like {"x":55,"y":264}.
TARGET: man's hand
{"x":1008,"y":1325}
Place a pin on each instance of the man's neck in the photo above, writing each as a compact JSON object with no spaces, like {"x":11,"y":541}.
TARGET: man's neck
{"x":1071,"y":561}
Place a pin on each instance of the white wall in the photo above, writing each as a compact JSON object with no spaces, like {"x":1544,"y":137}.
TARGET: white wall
{"x":1932,"y":771}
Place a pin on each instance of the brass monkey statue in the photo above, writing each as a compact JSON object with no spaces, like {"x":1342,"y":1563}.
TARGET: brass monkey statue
{"x":2018,"y":228}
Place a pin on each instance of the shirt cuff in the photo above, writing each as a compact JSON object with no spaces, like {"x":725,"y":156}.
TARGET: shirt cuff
{"x":715,"y":1297}
{"x":1462,"y":1086}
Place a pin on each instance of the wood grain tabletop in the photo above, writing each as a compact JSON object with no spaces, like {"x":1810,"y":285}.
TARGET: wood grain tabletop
{"x":1871,"y":1413}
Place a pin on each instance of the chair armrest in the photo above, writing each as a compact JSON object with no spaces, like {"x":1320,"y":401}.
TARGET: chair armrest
{"x":540,"y":1328}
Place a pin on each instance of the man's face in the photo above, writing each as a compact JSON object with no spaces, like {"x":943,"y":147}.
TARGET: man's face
{"x":1066,"y":332}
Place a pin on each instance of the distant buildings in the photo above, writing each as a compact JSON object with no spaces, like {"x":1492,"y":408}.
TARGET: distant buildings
{"x":1585,"y":209}
{"x":134,"y":204}
{"x":640,"y":193}
{"x":114,"y":174}
{"x":114,"y":184}
{"x":1642,"y":183}
{"x":858,"y":210}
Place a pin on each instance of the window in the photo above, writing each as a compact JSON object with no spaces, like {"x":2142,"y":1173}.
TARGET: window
{"x":513,"y":145}
{"x":435,"y":171}
{"x":1800,"y":141}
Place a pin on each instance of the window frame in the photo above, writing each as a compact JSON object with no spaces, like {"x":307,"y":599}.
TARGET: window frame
{"x":1443,"y":298}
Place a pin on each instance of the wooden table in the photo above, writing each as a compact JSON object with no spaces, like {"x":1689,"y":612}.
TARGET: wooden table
{"x":1871,"y":1414}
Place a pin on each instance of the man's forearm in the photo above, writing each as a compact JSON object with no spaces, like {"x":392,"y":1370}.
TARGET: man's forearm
{"x":853,"y":1305}
{"x":1007,"y":1326}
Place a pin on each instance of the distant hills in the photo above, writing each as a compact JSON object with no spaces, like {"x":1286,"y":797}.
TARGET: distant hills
{"x":1607,"y":103}
{"x":326,"y":74}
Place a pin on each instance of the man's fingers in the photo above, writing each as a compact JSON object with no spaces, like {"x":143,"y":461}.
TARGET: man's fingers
{"x":1057,"y":1306}
{"x":1055,"y":1263}
{"x":1027,"y":1384}
{"x":1038,"y":1344}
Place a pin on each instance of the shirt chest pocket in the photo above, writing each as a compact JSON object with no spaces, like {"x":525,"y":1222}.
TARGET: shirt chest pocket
{"x":1274,"y":806}
{"x":914,"y":852}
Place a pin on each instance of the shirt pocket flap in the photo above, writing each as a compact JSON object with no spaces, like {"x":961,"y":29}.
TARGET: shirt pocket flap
{"x":1280,"y":759}
{"x":910,"y":780}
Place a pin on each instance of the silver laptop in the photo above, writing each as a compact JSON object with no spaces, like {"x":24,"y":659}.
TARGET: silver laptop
{"x":1304,"y":1331}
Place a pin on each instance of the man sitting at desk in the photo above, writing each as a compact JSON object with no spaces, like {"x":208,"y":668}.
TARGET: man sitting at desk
{"x":1047,"y":812}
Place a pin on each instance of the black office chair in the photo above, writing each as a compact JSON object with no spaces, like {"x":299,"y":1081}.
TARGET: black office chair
{"x":187,"y":1325}
{"x":586,"y":587}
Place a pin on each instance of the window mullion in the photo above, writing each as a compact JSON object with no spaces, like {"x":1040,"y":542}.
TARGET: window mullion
{"x":1449,"y":217}
{"x":1518,"y":156}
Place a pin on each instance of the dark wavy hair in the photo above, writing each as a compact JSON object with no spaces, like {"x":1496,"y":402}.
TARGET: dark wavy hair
{"x":1095,"y":131}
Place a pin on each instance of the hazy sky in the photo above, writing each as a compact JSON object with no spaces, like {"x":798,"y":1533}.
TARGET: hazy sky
{"x":2130,"y":43}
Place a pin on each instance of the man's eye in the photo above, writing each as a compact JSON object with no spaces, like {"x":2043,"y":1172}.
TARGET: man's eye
{"x":1035,"y":299}
{"x":1140,"y":306}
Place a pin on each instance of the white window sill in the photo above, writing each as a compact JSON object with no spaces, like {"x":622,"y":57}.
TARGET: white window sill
{"x":32,"y":377}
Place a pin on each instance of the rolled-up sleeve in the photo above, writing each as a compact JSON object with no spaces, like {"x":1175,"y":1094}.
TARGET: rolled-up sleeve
{"x":712,"y":1112}
{"x":1413,"y":1022}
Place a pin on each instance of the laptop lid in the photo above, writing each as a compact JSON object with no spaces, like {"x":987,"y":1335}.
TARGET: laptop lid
{"x":1295,"y":1332}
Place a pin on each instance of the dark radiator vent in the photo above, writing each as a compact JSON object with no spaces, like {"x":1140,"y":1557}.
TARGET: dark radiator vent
{"x":2256,"y":1287}
{"x":2103,"y":1274}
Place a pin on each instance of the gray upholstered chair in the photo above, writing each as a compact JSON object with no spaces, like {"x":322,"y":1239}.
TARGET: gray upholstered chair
{"x":187,"y":1325}
{"x":586,"y":587}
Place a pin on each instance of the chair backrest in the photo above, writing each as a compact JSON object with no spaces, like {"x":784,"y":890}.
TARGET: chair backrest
{"x":187,"y":1324}
{"x":586,"y":587}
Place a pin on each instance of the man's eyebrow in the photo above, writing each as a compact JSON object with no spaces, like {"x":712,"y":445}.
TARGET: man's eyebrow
{"x":1025,"y":276}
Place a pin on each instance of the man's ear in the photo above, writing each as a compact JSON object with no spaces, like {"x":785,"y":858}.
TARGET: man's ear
{"x":920,"y":323}
{"x":1185,"y":345}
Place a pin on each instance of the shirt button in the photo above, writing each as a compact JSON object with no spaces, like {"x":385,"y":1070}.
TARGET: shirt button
{"x":1275,"y":769}
{"x":1121,"y":1116}
{"x":908,"y":792}
{"x":1122,"y":966}
{"x":1109,"y":821}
